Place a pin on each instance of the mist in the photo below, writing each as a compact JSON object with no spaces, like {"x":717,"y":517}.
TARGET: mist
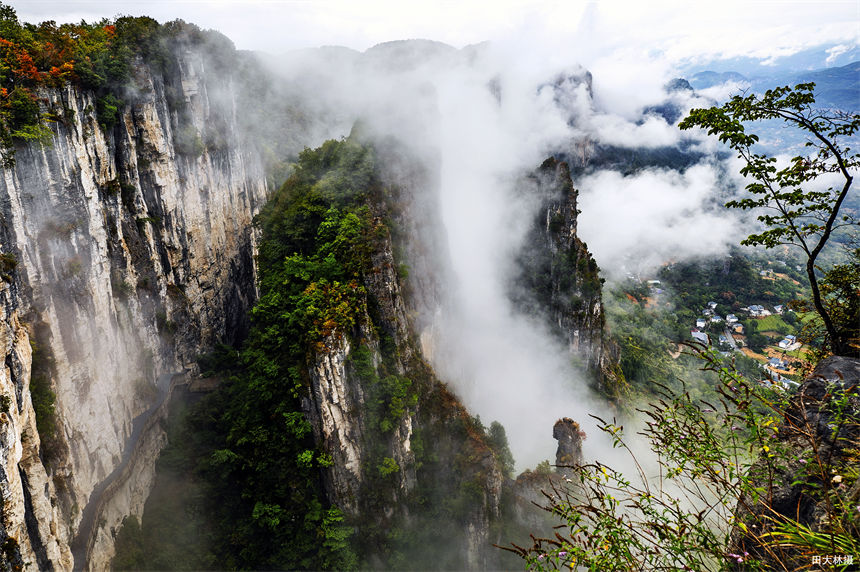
{"x":633,"y":224}
{"x":481,"y":118}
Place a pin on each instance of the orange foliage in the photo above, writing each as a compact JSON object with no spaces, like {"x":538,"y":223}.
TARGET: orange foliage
{"x":62,"y":72}
{"x":20,"y":63}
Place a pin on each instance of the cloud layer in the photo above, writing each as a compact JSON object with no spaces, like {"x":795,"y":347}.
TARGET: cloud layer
{"x":635,"y":223}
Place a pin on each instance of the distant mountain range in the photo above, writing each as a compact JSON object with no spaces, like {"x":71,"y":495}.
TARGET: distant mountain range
{"x":810,"y":59}
{"x":835,"y":69}
{"x":834,"y":87}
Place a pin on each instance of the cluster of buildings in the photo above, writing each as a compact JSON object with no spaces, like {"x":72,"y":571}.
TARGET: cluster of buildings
{"x":709,"y":316}
{"x":775,"y":367}
{"x":733,"y":325}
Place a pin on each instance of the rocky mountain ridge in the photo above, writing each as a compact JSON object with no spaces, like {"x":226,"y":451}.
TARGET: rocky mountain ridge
{"x":559,"y":279}
{"x":132,"y":254}
{"x":129,"y":250}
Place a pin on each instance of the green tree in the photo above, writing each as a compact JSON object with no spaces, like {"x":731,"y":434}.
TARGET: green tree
{"x":793,"y":210}
{"x":840,"y":289}
{"x":498,"y":439}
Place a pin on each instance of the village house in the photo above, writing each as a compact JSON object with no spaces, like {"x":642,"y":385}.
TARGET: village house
{"x":758,"y":311}
{"x":700,"y":336}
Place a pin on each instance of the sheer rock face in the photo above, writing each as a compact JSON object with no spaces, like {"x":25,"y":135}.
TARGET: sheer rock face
{"x":134,"y":254}
{"x":453,"y":456}
{"x":569,"y":454}
{"x":819,"y":411}
{"x":559,"y":279}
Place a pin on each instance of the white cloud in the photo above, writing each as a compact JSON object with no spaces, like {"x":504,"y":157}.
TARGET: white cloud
{"x":837,"y":51}
{"x":653,"y":132}
{"x":638,"y":222}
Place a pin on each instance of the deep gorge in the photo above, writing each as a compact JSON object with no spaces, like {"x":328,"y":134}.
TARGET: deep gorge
{"x":134,"y":253}
{"x":334,"y":309}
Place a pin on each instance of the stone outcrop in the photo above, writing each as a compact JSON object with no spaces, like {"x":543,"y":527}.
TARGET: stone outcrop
{"x":133,"y":252}
{"x":818,"y":441}
{"x":569,"y":454}
{"x":560,"y":280}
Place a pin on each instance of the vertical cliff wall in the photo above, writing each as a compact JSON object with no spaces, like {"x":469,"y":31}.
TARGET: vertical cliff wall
{"x":412,"y":468}
{"x":559,"y":279}
{"x":134,"y":253}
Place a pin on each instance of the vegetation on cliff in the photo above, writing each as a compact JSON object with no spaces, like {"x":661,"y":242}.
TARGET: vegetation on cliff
{"x":95,"y":57}
{"x":251,"y":443}
{"x":249,"y":447}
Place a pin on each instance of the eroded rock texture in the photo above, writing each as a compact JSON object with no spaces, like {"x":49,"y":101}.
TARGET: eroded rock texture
{"x":134,"y":253}
{"x":817,"y":468}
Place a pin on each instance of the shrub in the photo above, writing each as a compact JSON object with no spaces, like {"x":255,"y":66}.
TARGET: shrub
{"x":107,"y":111}
{"x":387,"y":467}
{"x":8,"y":263}
{"x":41,"y":393}
{"x":713,"y":504}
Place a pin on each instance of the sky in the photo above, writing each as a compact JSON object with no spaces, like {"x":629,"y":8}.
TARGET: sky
{"x":680,"y":30}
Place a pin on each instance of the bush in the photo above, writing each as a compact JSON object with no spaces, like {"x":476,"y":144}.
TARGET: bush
{"x":387,"y":467}
{"x":722,"y":469}
{"x":42,"y":394}
{"x":107,"y":111}
{"x":8,"y":263}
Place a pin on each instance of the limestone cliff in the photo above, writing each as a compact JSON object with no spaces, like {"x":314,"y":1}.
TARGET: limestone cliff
{"x":560,"y":280}
{"x":431,"y":462}
{"x":133,"y":252}
{"x":441,"y":453}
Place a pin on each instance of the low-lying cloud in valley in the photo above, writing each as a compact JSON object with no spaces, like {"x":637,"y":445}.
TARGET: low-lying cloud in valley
{"x":637,"y":222}
{"x":482,"y":117}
